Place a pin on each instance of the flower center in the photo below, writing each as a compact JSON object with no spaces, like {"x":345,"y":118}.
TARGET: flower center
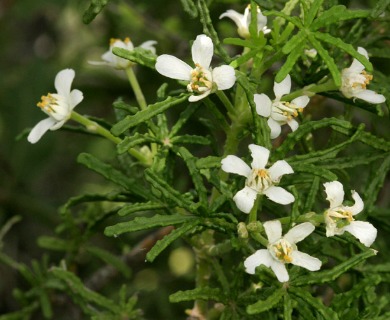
{"x":259,"y":180}
{"x":339,"y":217}
{"x":200,"y":82}
{"x":353,"y":83}
{"x":55,"y":106}
{"x":284,"y":110}
{"x":363,"y":80}
{"x":281,"y":250}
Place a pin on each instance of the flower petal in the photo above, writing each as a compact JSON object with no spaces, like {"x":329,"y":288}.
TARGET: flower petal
{"x":299,"y":232}
{"x":356,"y":66}
{"x":202,"y":51}
{"x":198,"y":97}
{"x":278,"y":169}
{"x":40,"y":129}
{"x":260,"y":257}
{"x":280,"y":271}
{"x":275,"y":128}
{"x":63,"y":81}
{"x":76,"y":96}
{"x":224,"y":76}
{"x":235,"y":16}
{"x":282,"y":88}
{"x":370,"y":96}
{"x":173,"y":67}
{"x":334,"y":193}
{"x":273,"y":229}
{"x":301,"y":101}
{"x":263,"y":104}
{"x":260,"y":156}
{"x":362,"y":230}
{"x":306,"y":261}
{"x":234,"y":164}
{"x":279,"y":195}
{"x":149,"y":45}
{"x":293,"y":124}
{"x":358,"y":206}
{"x":245,"y":199}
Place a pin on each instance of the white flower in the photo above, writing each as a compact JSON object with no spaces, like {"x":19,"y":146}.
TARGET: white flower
{"x":280,"y":112}
{"x":339,"y":218}
{"x":355,"y":79}
{"x":120,"y":63}
{"x":282,"y":250}
{"x":203,"y":80}
{"x":243,"y":21}
{"x":258,"y":179}
{"x":58,"y":106}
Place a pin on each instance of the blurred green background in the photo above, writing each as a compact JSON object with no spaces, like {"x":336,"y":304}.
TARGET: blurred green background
{"x":38,"y":39}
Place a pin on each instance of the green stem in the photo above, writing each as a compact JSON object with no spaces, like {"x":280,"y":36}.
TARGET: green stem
{"x":225,"y":100}
{"x":311,"y":90}
{"x":136,"y":88}
{"x":94,"y":127}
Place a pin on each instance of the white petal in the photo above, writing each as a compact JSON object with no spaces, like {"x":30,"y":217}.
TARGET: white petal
{"x":173,"y":67}
{"x":235,"y":16}
{"x":260,"y":156}
{"x":224,"y":76}
{"x":356,"y":66}
{"x":245,"y":199}
{"x":282,"y":88}
{"x":306,"y":261}
{"x":301,"y":101}
{"x":278,"y":169}
{"x":358,"y":206}
{"x":370,"y":96}
{"x":293,"y":124}
{"x":233,"y":164}
{"x":261,"y":21}
{"x":63,"y":81}
{"x":275,"y":128}
{"x":260,"y":257}
{"x":40,"y":129}
{"x":58,"y":124}
{"x":279,"y":195}
{"x":362,"y":230}
{"x":76,"y":96}
{"x":280,"y":271}
{"x":263,"y":104}
{"x":299,"y":232}
{"x":109,"y":57}
{"x":198,"y":97}
{"x":273,"y":229}
{"x":202,"y":51}
{"x":334,"y":193}
{"x":149,"y":45}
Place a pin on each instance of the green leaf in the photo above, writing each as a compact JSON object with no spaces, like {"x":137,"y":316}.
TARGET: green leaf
{"x":191,"y":139}
{"x":53,"y":243}
{"x":208,"y":162}
{"x":267,"y":304}
{"x":190,"y":7}
{"x":197,"y":179}
{"x":334,"y":70}
{"x":202,"y":293}
{"x":241,"y":42}
{"x":379,"y":8}
{"x":138,"y":55}
{"x":294,"y":20}
{"x":183,"y":118}
{"x":76,"y":287}
{"x":95,"y":7}
{"x":294,"y":42}
{"x":332,"y":274}
{"x":315,"y":303}
{"x":131,"y":141}
{"x":336,"y":14}
{"x":168,"y":192}
{"x":344,"y":46}
{"x":314,"y":170}
{"x":244,"y":58}
{"x":375,"y":185}
{"x":143,"y":223}
{"x":169,"y":238}
{"x":137,"y":207}
{"x":353,"y":161}
{"x":144,"y":115}
{"x":112,"y":174}
{"x":290,"y":62}
{"x":314,"y":7}
{"x":111,"y":259}
{"x":311,"y":196}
